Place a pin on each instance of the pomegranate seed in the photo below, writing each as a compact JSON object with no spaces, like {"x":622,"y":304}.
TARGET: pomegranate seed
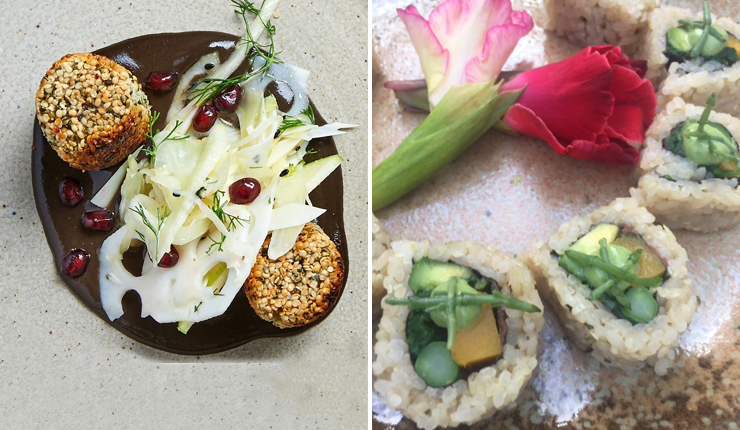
{"x":204,"y":118}
{"x":101,"y":220}
{"x":75,"y":262}
{"x":169,"y":259}
{"x":161,"y":81}
{"x":228,"y":100}
{"x":244,"y":191}
{"x":70,"y":191}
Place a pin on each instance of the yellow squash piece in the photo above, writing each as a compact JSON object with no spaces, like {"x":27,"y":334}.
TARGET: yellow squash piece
{"x":728,"y":166}
{"x":478,"y":344}
{"x":650,"y":264}
{"x":734,"y":44}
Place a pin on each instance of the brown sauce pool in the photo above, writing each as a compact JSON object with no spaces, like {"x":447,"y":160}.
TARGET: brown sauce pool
{"x":239,"y":324}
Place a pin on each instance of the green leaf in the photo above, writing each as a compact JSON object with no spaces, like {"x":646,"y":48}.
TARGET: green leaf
{"x":460,"y":118}
{"x":674,"y":143}
{"x":421,"y":331}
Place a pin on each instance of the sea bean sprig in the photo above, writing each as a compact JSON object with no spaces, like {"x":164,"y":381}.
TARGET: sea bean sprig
{"x":707,"y":27}
{"x":617,"y":272}
{"x":454,"y":298}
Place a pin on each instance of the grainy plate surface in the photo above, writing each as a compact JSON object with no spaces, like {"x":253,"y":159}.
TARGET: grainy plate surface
{"x":239,"y":324}
{"x":511,"y":192}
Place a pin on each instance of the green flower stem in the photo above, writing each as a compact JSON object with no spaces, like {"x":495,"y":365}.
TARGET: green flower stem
{"x":460,"y":118}
{"x":617,"y":272}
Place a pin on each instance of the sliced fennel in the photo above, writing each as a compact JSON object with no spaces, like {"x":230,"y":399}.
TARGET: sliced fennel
{"x":181,"y":199}
{"x":186,"y":82}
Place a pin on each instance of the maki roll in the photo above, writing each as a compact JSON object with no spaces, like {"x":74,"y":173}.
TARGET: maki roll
{"x":380,"y":244}
{"x":691,"y":55}
{"x":458,"y":336}
{"x":690,"y":168}
{"x":618,"y":284}
{"x":611,"y":22}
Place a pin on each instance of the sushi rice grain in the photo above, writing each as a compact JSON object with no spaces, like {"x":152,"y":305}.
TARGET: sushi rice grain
{"x":695,"y":80}
{"x":590,"y":325}
{"x":690,"y":201}
{"x":492,"y":388}
{"x":600,"y":22}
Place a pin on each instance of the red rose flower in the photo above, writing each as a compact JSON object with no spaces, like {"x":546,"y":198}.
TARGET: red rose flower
{"x":594,"y":105}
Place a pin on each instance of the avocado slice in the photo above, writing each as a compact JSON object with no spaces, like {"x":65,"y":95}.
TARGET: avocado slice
{"x":428,"y":274}
{"x":589,"y":243}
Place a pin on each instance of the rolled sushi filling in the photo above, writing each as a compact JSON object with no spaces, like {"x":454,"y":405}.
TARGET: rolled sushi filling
{"x":692,"y":40}
{"x":706,"y":144}
{"x":620,"y":269}
{"x":456,"y":323}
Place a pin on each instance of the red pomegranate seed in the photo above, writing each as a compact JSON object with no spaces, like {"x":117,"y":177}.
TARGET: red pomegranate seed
{"x":205,"y":118}
{"x":75,"y":262}
{"x":161,"y":81}
{"x":70,"y":192}
{"x":101,"y":220}
{"x":228,"y":100}
{"x":169,"y":259}
{"x":244,"y":191}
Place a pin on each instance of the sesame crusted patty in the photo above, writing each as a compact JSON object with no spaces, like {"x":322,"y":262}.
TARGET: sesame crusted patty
{"x":92,"y":111}
{"x":299,"y":287}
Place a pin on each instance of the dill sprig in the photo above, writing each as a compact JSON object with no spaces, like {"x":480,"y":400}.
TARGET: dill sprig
{"x":161,"y":216}
{"x":266,"y":51}
{"x":218,"y":206}
{"x":155,"y":146}
{"x":219,"y":243}
{"x":297,"y":121}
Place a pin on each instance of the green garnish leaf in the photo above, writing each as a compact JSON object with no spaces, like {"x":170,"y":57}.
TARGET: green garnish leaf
{"x":213,"y":86}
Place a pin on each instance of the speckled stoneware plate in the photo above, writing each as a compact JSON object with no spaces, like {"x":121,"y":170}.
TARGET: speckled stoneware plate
{"x":511,"y":192}
{"x":239,"y":324}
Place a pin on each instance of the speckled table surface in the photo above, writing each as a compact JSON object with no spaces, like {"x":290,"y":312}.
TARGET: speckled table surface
{"x":511,"y":192}
{"x":63,"y":367}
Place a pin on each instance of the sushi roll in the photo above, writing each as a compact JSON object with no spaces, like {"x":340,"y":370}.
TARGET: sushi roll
{"x":442,"y":371}
{"x":691,"y":55}
{"x":687,"y":181}
{"x":618,"y":284}
{"x":591,"y":22}
{"x":380,"y":244}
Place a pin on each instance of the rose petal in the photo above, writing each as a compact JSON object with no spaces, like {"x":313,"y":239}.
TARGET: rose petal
{"x":571,"y":96}
{"x":605,"y":152}
{"x":634,"y":106}
{"x":524,"y":121}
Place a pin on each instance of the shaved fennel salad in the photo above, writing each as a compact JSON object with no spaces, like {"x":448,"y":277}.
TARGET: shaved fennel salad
{"x":178,"y":198}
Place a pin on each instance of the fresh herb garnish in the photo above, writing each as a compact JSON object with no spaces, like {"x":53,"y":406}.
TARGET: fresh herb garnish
{"x":161,"y":216}
{"x":219,"y":243}
{"x":297,"y":121}
{"x":197,"y":306}
{"x":214,"y":86}
{"x":230,"y":221}
{"x":155,"y":146}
